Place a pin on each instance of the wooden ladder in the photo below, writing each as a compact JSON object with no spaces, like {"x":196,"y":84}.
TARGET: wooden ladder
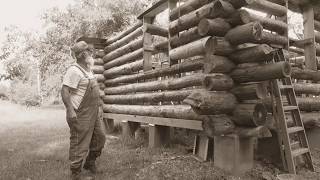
{"x":292,"y":138}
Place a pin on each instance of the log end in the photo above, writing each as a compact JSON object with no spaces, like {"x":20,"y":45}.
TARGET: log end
{"x":203,"y":27}
{"x":286,"y":69}
{"x":260,"y":115}
{"x":257,"y":30}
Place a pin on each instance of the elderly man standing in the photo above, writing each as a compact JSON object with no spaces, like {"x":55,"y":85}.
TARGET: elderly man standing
{"x":80,"y":95}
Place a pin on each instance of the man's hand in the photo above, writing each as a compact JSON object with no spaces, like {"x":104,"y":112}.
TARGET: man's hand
{"x":72,"y":119}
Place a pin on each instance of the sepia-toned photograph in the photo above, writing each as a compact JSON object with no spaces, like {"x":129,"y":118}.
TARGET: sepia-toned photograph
{"x":160,"y":90}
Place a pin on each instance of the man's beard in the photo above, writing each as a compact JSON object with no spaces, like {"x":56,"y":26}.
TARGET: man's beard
{"x":90,"y":62}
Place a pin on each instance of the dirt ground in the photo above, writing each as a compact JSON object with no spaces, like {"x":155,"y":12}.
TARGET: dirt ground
{"x":34,"y":146}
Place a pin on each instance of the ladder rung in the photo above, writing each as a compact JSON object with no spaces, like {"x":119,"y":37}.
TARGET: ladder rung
{"x":299,"y":152}
{"x":290,"y":108}
{"x":295,"y":144}
{"x":295,"y":129}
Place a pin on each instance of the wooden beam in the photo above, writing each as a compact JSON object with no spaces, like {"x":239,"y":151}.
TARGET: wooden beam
{"x":147,"y":44}
{"x":172,"y":122}
{"x":157,"y":8}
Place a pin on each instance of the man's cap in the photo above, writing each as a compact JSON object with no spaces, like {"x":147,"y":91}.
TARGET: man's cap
{"x":80,"y":47}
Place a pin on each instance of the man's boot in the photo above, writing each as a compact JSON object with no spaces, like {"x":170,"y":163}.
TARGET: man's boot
{"x":90,"y":163}
{"x":75,"y":175}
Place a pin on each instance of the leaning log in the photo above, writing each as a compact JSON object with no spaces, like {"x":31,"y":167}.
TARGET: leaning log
{"x":217,"y":82}
{"x":174,"y":69}
{"x":210,"y":103}
{"x":305,"y":74}
{"x":185,"y":37}
{"x":199,"y":47}
{"x":187,"y":7}
{"x":267,"y":23}
{"x":222,"y":83}
{"x":251,"y":32}
{"x":217,"y":64}
{"x":125,"y":69}
{"x":259,"y":53}
{"x":97,"y":69}
{"x":124,"y":33}
{"x":130,"y":37}
{"x":152,"y":97}
{"x":133,"y":56}
{"x":213,"y":27}
{"x":307,"y":88}
{"x":166,"y":111}
{"x":261,"y":72}
{"x":250,"y":91}
{"x":250,"y":115}
{"x":132,"y":46}
{"x":216,"y":125}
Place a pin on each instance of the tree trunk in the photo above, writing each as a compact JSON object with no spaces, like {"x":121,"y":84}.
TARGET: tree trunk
{"x":185,"y":37}
{"x":132,"y":46}
{"x":305,"y":74}
{"x":250,"y":115}
{"x":259,"y":53}
{"x":251,"y":32}
{"x":127,"y":39}
{"x":156,"y":30}
{"x":166,"y":111}
{"x":222,"y":83}
{"x":267,"y":23}
{"x":199,"y":47}
{"x":187,"y":7}
{"x":211,"y":103}
{"x":213,"y":27}
{"x":97,"y":69}
{"x":98,"y":61}
{"x":250,"y":91}
{"x":152,"y":97}
{"x":222,"y":47}
{"x":217,"y":64}
{"x":124,"y":33}
{"x":125,"y":69}
{"x":261,"y":72}
{"x":307,"y":88}
{"x":217,"y":125}
{"x":174,"y":69}
{"x":133,"y":56}
{"x":217,"y":82}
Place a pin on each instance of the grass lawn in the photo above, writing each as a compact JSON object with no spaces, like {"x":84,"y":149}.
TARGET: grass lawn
{"x":34,"y":146}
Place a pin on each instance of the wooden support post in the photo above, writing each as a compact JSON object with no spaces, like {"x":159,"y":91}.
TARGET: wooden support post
{"x":309,"y":49}
{"x":172,"y":4}
{"x":203,"y":148}
{"x":129,"y":128}
{"x":159,"y":136}
{"x":234,"y":154}
{"x":147,"y":45}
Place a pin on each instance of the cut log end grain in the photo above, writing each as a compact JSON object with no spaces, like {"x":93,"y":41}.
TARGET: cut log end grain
{"x":246,"y":33}
{"x":250,"y":115}
{"x":217,"y":82}
{"x":213,"y":27}
{"x":216,"y":125}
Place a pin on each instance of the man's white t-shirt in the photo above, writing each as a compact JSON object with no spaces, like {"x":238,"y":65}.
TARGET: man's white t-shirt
{"x":78,"y":83}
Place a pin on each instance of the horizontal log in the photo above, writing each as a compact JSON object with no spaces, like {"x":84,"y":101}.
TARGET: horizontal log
{"x":251,"y":32}
{"x":211,"y":103}
{"x":213,"y":27}
{"x":257,"y":132}
{"x":259,"y":53}
{"x":102,"y":86}
{"x":136,"y":33}
{"x":130,"y":47}
{"x":307,"y":88}
{"x":187,"y":7}
{"x":217,"y":82}
{"x":199,"y":47}
{"x":97,"y":69}
{"x":185,"y":37}
{"x":98,"y":61}
{"x":152,"y":97}
{"x":217,"y":64}
{"x":173,"y":84}
{"x":100,"y":78}
{"x":217,"y":125}
{"x":250,"y":91}
{"x":125,"y":69}
{"x":156,"y":30}
{"x":250,"y":115}
{"x":261,"y":72}
{"x":166,"y":111}
{"x":222,"y":8}
{"x":305,"y":74}
{"x":222,"y":47}
{"x":130,"y":57}
{"x":309,"y":104}
{"x":272,"y":39}
{"x":267,"y":23}
{"x":99,"y":54}
{"x":124,"y":33}
{"x":174,"y":69}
